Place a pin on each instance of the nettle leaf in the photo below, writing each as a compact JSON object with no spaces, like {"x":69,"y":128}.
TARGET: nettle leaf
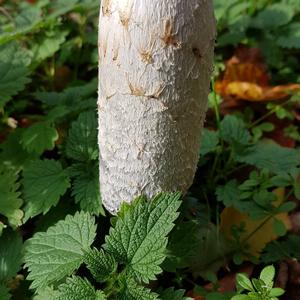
{"x":39,"y":137}
{"x":101,"y":264}
{"x":77,"y":288}
{"x":48,"y":293}
{"x":270,"y":156}
{"x":85,"y":187}
{"x":82,"y":140}
{"x":4,"y":292}
{"x":233,"y":130}
{"x":209,"y":141}
{"x":273,"y":16}
{"x":291,"y":38}
{"x":285,"y":249}
{"x":132,"y":291}
{"x":10,"y":201}
{"x":44,"y":182}
{"x":172,"y":294}
{"x":48,"y":44}
{"x":139,"y":238}
{"x":13,"y":73}
{"x":11,"y":254}
{"x":51,"y":256}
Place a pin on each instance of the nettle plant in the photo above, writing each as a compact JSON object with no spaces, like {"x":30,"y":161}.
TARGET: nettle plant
{"x":130,"y":257}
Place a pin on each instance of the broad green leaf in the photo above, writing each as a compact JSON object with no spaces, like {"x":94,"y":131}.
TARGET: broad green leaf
{"x":172,"y":294}
{"x":270,"y":156}
{"x":51,"y":256}
{"x":48,"y":293}
{"x":101,"y":264}
{"x":209,"y":141}
{"x":274,"y":15}
{"x":244,"y":282}
{"x":139,"y":238}
{"x":279,"y":227}
{"x":291,"y":39}
{"x":39,"y":137}
{"x":10,"y":201}
{"x":44,"y":182}
{"x":229,"y":194}
{"x":77,"y":288}
{"x":85,"y":187}
{"x":233,"y":130}
{"x":82,"y":139}
{"x":11,"y":254}
{"x":48,"y":44}
{"x":279,"y":250}
{"x":132,"y":291}
{"x":267,"y":275}
{"x":13,"y":73}
{"x":276,"y":292}
{"x":241,"y":297}
{"x":4,"y":292}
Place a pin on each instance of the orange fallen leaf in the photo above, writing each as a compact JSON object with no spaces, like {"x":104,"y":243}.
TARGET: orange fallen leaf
{"x":246,"y":78}
{"x":264,"y":232}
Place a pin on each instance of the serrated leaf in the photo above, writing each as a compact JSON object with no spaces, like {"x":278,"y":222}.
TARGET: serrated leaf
{"x":209,"y":141}
{"x":131,"y":291}
{"x":13,"y":73}
{"x":10,"y":202}
{"x":274,"y":15}
{"x":44,"y":182}
{"x":39,"y":137}
{"x":267,"y":275}
{"x":278,"y":250}
{"x":270,"y":156}
{"x":4,"y":292}
{"x":101,"y":264}
{"x":11,"y":254}
{"x":172,"y":294}
{"x":85,"y":187}
{"x":233,"y":130}
{"x":48,"y":44}
{"x":77,"y":288}
{"x":48,"y":293}
{"x":139,"y":238}
{"x":82,"y":139}
{"x":291,"y":39}
{"x":51,"y":256}
{"x":229,"y":194}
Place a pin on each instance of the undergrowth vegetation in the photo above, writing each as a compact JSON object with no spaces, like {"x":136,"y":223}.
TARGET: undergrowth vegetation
{"x":56,"y":239}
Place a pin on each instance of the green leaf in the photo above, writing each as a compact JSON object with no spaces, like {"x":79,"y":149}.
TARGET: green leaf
{"x":244,"y":282}
{"x":285,"y":249}
{"x":82,"y":140}
{"x":85,"y":187}
{"x":267,"y":275}
{"x":13,"y":73}
{"x":101,"y":264}
{"x":139,"y":238}
{"x":273,"y":16}
{"x":48,"y":44}
{"x":291,"y":38}
{"x":229,"y":194}
{"x":48,"y":293}
{"x":241,"y":297}
{"x":77,"y":288}
{"x":270,"y":156}
{"x":279,"y":227}
{"x":276,"y":292}
{"x":44,"y":182}
{"x":233,"y":130}
{"x":39,"y":137}
{"x":50,"y":256}
{"x":132,"y":291}
{"x":172,"y":294}
{"x":209,"y":141}
{"x":4,"y":292}
{"x":10,"y":201}
{"x":11,"y":254}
